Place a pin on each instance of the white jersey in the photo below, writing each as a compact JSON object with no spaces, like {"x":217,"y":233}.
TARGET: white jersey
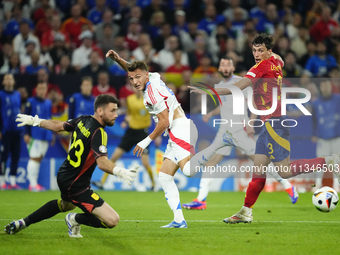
{"x":158,"y":97}
{"x":227,"y":106}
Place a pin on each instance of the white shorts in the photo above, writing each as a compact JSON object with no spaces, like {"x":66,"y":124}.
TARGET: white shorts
{"x":182,"y":140}
{"x":37,"y":148}
{"x":327,"y":147}
{"x":238,"y":139}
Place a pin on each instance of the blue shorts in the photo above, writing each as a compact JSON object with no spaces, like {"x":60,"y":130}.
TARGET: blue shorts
{"x":273,"y":140}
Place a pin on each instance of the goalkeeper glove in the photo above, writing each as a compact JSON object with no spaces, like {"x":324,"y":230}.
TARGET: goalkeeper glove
{"x":126,"y":174}
{"x":28,"y":120}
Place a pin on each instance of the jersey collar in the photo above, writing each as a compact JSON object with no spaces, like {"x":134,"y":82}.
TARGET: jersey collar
{"x":146,"y":85}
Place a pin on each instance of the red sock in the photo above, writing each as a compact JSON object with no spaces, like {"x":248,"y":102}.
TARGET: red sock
{"x":306,"y":165}
{"x":254,"y":189}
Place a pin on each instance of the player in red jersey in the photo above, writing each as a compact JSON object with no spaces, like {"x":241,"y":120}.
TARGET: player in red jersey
{"x":273,"y":142}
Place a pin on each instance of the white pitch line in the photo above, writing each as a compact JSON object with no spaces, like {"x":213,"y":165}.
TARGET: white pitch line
{"x":209,"y":221}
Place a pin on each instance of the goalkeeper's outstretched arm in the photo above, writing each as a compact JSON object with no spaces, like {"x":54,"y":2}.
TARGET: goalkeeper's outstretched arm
{"x":54,"y":125}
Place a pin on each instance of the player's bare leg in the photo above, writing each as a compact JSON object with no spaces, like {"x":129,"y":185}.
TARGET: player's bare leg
{"x":146,"y":163}
{"x":254,"y":189}
{"x":166,"y":180}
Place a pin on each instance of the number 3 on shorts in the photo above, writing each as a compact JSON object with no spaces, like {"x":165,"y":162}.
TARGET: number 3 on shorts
{"x":79,"y":149}
{"x":270,"y":147}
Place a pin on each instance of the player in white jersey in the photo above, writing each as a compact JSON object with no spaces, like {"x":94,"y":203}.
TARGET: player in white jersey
{"x":232,"y":135}
{"x":161,"y":102}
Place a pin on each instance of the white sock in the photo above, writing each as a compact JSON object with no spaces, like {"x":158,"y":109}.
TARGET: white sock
{"x":285,"y":183}
{"x":172,"y":195}
{"x":12,"y":180}
{"x":2,"y":180}
{"x":204,"y":189}
{"x":33,"y":172}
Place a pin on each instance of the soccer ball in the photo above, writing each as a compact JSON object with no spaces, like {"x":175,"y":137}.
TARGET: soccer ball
{"x":325,"y":199}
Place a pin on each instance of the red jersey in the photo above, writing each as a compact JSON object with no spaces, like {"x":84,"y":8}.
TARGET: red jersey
{"x":265,"y":76}
{"x":98,"y":90}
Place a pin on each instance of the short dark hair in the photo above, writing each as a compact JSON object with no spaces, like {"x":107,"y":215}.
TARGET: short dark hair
{"x":103,"y":100}
{"x":227,"y":58}
{"x":87,"y":78}
{"x":265,"y":39}
{"x":137,"y":65}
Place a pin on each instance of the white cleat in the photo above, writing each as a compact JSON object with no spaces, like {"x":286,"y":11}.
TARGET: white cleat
{"x":244,"y":215}
{"x":73,"y":226}
{"x":333,"y":164}
{"x":15,"y":226}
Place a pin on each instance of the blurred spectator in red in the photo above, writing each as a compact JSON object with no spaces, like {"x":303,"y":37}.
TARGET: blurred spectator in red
{"x":103,"y":86}
{"x":159,"y":41}
{"x":47,"y":38}
{"x":165,"y":56}
{"x":94,"y":68}
{"x":12,"y":26}
{"x":64,"y":66}
{"x":24,"y":35}
{"x":80,"y":56}
{"x":59,"y":49}
{"x":205,"y":66}
{"x":40,"y":13}
{"x":95,"y":14}
{"x":13,"y":66}
{"x":44,"y":24}
{"x":138,"y":54}
{"x":124,"y":92}
{"x":156,"y":22}
{"x":177,"y":67}
{"x":325,"y":27}
{"x":134,"y":31}
{"x":73,"y":25}
{"x":334,"y":74}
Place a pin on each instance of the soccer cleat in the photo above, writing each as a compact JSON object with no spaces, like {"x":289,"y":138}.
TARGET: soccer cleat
{"x":4,"y":187}
{"x":241,"y":216}
{"x":15,"y":187}
{"x":73,"y":226}
{"x":293,"y":194}
{"x":174,"y":224}
{"x":15,"y":226}
{"x":195,"y":205}
{"x":36,"y":188}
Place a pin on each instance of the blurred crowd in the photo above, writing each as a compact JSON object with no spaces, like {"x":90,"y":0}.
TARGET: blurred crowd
{"x":180,"y":37}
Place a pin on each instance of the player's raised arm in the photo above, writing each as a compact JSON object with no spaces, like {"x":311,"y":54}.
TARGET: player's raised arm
{"x":115,"y":57}
{"x":241,"y":84}
{"x":162,"y":125}
{"x":53,"y":125}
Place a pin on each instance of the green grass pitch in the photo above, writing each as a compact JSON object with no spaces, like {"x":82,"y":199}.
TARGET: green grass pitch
{"x":278,"y":227}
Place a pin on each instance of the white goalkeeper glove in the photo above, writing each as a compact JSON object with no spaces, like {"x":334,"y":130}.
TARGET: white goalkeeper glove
{"x":126,"y":174}
{"x":28,"y":120}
